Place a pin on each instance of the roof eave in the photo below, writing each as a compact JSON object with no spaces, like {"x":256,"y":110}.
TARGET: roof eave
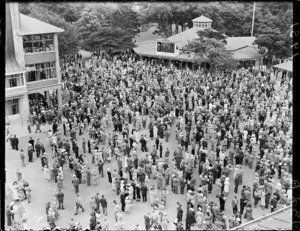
{"x":45,"y":32}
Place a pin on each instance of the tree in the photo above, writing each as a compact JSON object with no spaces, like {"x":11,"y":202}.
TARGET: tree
{"x":272,"y":41}
{"x":210,"y":48}
{"x":109,"y":39}
{"x":68,"y":42}
{"x":125,"y":18}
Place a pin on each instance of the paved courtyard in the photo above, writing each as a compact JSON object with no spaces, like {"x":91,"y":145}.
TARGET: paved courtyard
{"x":42,"y":192}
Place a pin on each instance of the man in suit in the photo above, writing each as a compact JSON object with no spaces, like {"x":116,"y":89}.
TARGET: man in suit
{"x":234,"y":204}
{"x":31,"y":141}
{"x":60,"y":197}
{"x":144,"y":190}
{"x":84,"y":145}
{"x":78,"y":204}
{"x":103,"y":203}
{"x":38,"y":148}
{"x":75,"y":183}
{"x":16,"y":142}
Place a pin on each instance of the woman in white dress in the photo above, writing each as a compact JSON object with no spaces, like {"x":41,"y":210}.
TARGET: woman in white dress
{"x":226,"y":186}
{"x":199,"y":218}
{"x":154,"y":131}
{"x":263,"y":198}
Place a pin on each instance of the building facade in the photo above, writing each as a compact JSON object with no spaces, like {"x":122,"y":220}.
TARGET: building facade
{"x":167,"y":50}
{"x":32,"y":69}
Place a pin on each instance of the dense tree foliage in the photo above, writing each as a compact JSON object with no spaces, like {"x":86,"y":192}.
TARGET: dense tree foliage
{"x":109,"y":39}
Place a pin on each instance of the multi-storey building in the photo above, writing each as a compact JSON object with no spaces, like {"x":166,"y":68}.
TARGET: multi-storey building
{"x":32,"y":69}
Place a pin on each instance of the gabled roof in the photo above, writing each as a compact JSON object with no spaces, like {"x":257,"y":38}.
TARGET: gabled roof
{"x":202,"y":19}
{"x":31,"y":25}
{"x":185,"y":36}
{"x":287,"y":66}
{"x":235,"y":43}
{"x":12,"y":67}
{"x":246,"y":53}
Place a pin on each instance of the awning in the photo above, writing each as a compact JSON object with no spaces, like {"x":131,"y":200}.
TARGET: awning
{"x":12,"y":67}
{"x":287,"y":66}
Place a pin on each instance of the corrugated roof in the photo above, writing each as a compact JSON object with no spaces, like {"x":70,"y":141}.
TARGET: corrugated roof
{"x":246,"y":53}
{"x":287,"y":66}
{"x":31,"y":25}
{"x":202,"y":19}
{"x":234,"y":43}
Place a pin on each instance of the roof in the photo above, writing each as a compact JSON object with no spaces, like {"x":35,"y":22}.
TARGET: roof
{"x":280,"y":219}
{"x":185,"y":36}
{"x":234,"y":43}
{"x":202,"y":19}
{"x":12,"y":67}
{"x":31,"y":25}
{"x":246,"y":53}
{"x":287,"y":66}
{"x":148,"y":48}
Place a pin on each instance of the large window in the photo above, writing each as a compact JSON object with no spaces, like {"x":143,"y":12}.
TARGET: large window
{"x":41,"y":71}
{"x":14,"y":81}
{"x":165,"y":47}
{"x":12,"y":107}
{"x":38,"y":43}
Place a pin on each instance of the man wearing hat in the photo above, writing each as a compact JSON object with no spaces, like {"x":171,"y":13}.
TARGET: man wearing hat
{"x":179,"y":212}
{"x":75,"y":182}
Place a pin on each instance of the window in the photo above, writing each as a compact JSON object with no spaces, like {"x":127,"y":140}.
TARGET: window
{"x":159,"y":46}
{"x":42,"y":71}
{"x":167,"y":47}
{"x":12,"y":107}
{"x":14,"y":81}
{"x":38,"y":43}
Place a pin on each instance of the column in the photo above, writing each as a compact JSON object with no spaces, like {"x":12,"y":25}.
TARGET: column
{"x":47,"y":96}
{"x":58,"y":74}
{"x":24,"y":109}
{"x":180,"y":65}
{"x":59,"y":98}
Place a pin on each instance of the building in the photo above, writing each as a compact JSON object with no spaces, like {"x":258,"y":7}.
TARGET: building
{"x":32,"y":69}
{"x":167,"y":50}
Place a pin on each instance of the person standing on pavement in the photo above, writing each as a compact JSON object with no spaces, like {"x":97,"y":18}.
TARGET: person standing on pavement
{"x":144,"y":190}
{"x":16,"y":143}
{"x":88,"y":176}
{"x":22,"y":155}
{"x":75,"y":183}
{"x":83,"y":145}
{"x":38,"y":148}
{"x":103,"y":203}
{"x":60,"y":196}
{"x":30,"y":153}
{"x":31,"y":141}
{"x":78,"y":204}
{"x":147,"y":221}
{"x":37,"y":124}
{"x":179,"y":212}
{"x":234,"y":204}
{"x":100,"y":168}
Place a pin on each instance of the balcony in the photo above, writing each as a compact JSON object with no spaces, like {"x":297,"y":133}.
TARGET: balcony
{"x":41,"y":84}
{"x":15,"y":92}
{"x":39,"y":57}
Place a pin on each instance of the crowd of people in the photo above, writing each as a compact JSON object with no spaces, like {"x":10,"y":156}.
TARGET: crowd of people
{"x":223,"y":124}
